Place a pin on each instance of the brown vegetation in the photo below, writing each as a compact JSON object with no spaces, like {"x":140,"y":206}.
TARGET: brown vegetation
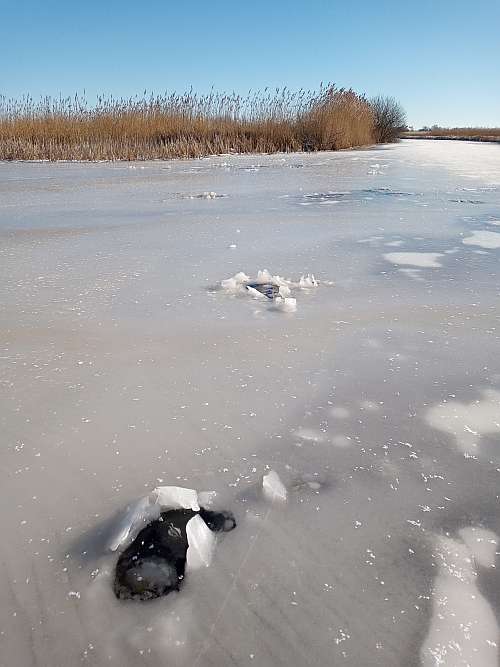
{"x":464,"y":133}
{"x":188,"y":125}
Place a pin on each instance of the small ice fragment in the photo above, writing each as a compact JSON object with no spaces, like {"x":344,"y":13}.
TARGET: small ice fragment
{"x":273,"y":487}
{"x":308,"y":281}
{"x":257,"y":294}
{"x":235,"y":283}
{"x":201,"y":542}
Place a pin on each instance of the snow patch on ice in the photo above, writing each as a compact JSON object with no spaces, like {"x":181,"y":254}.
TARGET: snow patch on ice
{"x":463,"y":629}
{"x":483,"y":239}
{"x":421,"y":259}
{"x":467,"y":422}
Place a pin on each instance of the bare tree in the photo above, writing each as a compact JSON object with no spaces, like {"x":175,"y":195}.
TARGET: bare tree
{"x":389,"y":118}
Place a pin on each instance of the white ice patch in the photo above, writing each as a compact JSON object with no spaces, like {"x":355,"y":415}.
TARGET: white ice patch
{"x":201,"y":542}
{"x":149,"y":508}
{"x":463,"y":629}
{"x":483,"y":239}
{"x":467,"y":422}
{"x":427,"y":260}
{"x":273,"y":487}
{"x":495,"y":223}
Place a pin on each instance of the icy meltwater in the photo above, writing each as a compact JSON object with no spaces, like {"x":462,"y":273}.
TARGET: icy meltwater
{"x":375,"y":402}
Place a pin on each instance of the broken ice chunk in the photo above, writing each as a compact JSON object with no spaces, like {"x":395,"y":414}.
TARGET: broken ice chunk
{"x":138,"y":515}
{"x":176,"y":497}
{"x":201,"y":542}
{"x":308,"y":281}
{"x":273,"y":487}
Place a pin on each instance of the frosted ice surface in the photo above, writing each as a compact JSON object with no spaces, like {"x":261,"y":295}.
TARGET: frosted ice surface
{"x":273,"y":487}
{"x":483,"y":239}
{"x":201,"y":542}
{"x":420,"y":259}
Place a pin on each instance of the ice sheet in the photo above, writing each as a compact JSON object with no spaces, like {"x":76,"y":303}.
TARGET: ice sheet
{"x":377,"y":401}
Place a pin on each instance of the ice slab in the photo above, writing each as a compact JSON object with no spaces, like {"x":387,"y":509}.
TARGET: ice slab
{"x":201,"y":542}
{"x":273,"y":487}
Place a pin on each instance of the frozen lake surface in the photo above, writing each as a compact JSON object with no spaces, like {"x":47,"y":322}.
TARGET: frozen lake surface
{"x":377,"y":402}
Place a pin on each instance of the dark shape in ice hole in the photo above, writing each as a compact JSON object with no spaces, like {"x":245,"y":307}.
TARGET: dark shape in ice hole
{"x":154,"y":564}
{"x":267,"y":289}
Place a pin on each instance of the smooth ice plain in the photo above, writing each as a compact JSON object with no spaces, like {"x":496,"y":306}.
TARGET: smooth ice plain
{"x":376,"y":402}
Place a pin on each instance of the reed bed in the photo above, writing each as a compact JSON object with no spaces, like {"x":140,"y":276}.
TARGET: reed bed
{"x":184,"y":125}
{"x":465,"y":133}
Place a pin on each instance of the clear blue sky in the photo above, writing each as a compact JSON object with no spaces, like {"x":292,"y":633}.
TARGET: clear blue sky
{"x":440,"y":58}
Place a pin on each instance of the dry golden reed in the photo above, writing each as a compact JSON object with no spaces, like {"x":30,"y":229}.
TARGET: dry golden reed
{"x":184,"y":125}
